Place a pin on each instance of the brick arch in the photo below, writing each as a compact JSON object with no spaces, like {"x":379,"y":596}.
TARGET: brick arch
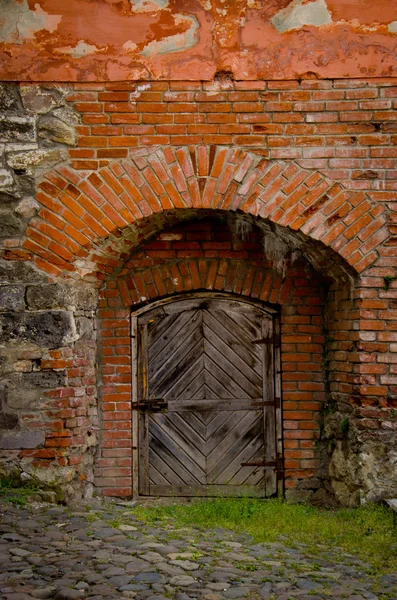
{"x":244,"y":278}
{"x":89,"y":218}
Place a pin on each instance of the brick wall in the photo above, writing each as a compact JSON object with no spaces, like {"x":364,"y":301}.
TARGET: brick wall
{"x":347,"y":129}
{"x":312,"y":160}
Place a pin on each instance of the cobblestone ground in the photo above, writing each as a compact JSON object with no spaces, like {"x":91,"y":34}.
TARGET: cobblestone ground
{"x":105,"y":552}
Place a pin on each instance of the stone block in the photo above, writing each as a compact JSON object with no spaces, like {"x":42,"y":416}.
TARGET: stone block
{"x":50,"y":329}
{"x":47,"y":296}
{"x":23,"y":398}
{"x":22,"y":366}
{"x":9,"y":197}
{"x":44,"y":379}
{"x":10,"y":225}
{"x":85,"y":328}
{"x":6,"y":179}
{"x":38,"y":100}
{"x":21,"y":439}
{"x":35,"y":158}
{"x":24,"y":184}
{"x":66,"y":114}
{"x":54,"y":295}
{"x":9,"y":98}
{"x":54,"y":130}
{"x":7,"y":420}
{"x":86,"y":297}
{"x":27,"y":208}
{"x":17,"y":129}
{"x":12,"y":298}
{"x":19,"y":272}
{"x":48,"y":496}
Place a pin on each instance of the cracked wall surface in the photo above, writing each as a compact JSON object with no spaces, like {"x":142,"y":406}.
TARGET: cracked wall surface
{"x":50,"y":40}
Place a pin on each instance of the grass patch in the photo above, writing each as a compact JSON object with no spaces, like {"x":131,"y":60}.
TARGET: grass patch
{"x":14,"y":488}
{"x":366,"y":532}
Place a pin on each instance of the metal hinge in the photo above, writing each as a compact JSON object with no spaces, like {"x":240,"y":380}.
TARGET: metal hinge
{"x":276,"y":403}
{"x":268,"y":341}
{"x":278,"y":463}
{"x":151,"y":406}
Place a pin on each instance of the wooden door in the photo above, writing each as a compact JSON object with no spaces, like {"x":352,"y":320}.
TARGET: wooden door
{"x":206,"y":399}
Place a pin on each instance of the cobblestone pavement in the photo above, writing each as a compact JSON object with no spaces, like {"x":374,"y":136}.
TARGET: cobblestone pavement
{"x":105,"y":553}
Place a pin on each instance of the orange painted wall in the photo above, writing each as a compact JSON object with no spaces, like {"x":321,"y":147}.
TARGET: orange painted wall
{"x":113,"y":40}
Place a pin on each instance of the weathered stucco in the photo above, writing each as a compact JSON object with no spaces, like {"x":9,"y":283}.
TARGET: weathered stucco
{"x":81,"y":40}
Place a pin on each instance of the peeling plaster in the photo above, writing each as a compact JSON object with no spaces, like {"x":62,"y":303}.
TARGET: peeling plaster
{"x":130,"y":46}
{"x":355,"y":24}
{"x":142,"y":6}
{"x":393,"y":27}
{"x":18,"y":22}
{"x":300,"y":13}
{"x":115,"y":40}
{"x":177,"y":42}
{"x":81,"y":49}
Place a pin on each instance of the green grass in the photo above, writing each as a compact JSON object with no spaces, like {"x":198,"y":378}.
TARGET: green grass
{"x":15,"y":490}
{"x":366,"y":532}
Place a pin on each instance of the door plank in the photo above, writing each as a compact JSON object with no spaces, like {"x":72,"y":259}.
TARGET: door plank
{"x":176,"y":366}
{"x":191,"y":384}
{"x":176,"y":347}
{"x":251,"y":453}
{"x":237,"y":339}
{"x":183,"y":448}
{"x":223,"y":449}
{"x":160,"y":460}
{"x":251,"y":448}
{"x":239,"y":370}
{"x":236,"y":427}
{"x":269,"y":415}
{"x":180,"y":425}
{"x":143,"y":481}
{"x":160,"y":331}
{"x":155,"y":476}
{"x":248,"y":321}
{"x":186,"y":472}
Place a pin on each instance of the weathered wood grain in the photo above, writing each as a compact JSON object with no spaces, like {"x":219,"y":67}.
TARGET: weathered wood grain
{"x":213,"y":361}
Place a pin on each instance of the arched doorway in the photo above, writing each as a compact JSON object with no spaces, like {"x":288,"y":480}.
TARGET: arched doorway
{"x":207,"y":397}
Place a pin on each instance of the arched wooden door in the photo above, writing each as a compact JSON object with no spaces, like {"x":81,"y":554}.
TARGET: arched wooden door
{"x":206,"y":398}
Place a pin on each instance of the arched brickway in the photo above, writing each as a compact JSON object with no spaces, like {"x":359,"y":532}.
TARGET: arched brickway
{"x":90,"y":223}
{"x":209,"y":254}
{"x":88,"y":219}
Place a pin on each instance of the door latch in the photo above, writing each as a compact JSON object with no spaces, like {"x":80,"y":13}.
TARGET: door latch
{"x":158,"y":405}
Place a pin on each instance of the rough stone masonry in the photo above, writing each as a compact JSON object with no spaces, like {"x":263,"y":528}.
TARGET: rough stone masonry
{"x":150,"y":149}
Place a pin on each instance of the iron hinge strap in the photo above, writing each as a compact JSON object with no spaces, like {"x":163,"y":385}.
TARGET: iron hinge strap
{"x":268,"y":341}
{"x":276,"y":403}
{"x":278,"y":463}
{"x":155,"y":406}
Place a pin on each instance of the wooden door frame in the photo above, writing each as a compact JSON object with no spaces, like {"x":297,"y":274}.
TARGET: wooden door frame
{"x":136,"y":314}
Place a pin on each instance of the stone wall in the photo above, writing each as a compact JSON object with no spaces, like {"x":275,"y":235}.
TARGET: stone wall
{"x":48,"y":419}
